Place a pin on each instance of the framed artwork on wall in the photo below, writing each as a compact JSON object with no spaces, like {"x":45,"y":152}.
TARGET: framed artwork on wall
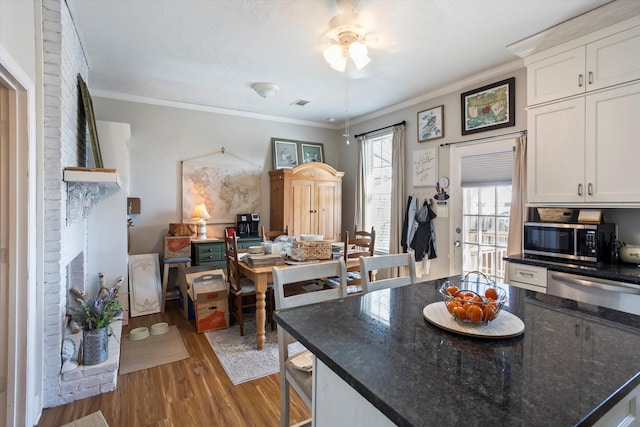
{"x":431,"y":124}
{"x":489,"y":107}
{"x":424,"y":167}
{"x":311,"y":152}
{"x":87,"y":105}
{"x":285,"y":153}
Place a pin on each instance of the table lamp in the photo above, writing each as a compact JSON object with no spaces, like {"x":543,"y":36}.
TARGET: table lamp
{"x":201,"y":215}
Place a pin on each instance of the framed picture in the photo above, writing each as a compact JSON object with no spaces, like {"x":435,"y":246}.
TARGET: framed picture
{"x":425,"y":167}
{"x":91,"y":122}
{"x":489,"y":107}
{"x":285,"y":153}
{"x":311,"y":152}
{"x":431,"y":124}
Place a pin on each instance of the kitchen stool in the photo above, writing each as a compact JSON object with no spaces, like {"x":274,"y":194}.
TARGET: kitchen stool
{"x":168,"y":263}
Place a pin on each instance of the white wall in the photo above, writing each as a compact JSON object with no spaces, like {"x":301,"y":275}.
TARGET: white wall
{"x":452,"y":131}
{"x":162,"y":136}
{"x":17,"y":33}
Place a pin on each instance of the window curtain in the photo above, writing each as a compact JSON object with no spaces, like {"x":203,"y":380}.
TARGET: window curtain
{"x":398,"y":195}
{"x":361,"y":189}
{"x":518,"y":197}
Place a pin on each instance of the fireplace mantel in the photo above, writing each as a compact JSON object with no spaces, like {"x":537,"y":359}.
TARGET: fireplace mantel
{"x":86,"y":187}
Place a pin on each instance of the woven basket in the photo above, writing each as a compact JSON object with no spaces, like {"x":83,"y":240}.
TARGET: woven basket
{"x":182,"y":229}
{"x":311,"y":250}
{"x":555,"y":214}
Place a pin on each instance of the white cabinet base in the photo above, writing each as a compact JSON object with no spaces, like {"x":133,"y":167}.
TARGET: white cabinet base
{"x":336,"y":403}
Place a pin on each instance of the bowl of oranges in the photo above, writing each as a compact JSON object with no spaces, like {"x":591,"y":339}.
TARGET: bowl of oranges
{"x":473,"y":302}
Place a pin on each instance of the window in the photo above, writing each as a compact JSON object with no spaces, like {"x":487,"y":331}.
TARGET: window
{"x":377,"y":170}
{"x":485,"y":214}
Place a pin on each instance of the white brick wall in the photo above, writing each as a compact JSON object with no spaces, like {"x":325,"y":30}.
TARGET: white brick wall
{"x":64,"y":145}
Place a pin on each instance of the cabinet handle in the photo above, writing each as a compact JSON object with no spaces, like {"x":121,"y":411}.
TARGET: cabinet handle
{"x":526,"y":274}
{"x":587,"y":333}
{"x":580,"y":80}
{"x":579,"y":189}
{"x":590,"y":78}
{"x":590,"y":189}
{"x":577,"y":329}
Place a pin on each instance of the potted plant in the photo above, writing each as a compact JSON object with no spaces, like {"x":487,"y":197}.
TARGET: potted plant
{"x":95,"y":317}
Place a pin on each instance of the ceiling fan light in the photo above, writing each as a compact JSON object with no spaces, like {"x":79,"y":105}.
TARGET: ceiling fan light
{"x":358,"y":53}
{"x":335,"y":56}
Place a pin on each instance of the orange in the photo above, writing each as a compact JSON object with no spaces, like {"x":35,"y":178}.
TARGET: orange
{"x":460,"y":313}
{"x":474,"y":313}
{"x":453,"y":304}
{"x":452,"y":290}
{"x":491,"y":293}
{"x":488,"y":312}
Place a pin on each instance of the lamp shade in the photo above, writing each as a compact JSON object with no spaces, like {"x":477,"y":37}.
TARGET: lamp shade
{"x":200,"y":212}
{"x":358,"y":53}
{"x":336,"y":56}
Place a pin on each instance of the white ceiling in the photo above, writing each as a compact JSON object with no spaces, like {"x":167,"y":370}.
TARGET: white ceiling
{"x":209,"y":52}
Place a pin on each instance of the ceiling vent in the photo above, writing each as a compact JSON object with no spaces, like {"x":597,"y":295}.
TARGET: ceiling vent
{"x":300,"y":103}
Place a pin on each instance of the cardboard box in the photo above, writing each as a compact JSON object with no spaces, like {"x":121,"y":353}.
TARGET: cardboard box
{"x":177,"y":247}
{"x":185,"y":279}
{"x":210,"y":294}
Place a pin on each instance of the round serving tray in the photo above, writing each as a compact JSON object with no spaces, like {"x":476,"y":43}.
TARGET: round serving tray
{"x":506,"y":325}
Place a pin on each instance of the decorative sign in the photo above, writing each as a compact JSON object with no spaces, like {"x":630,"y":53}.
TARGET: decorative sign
{"x":425,"y":167}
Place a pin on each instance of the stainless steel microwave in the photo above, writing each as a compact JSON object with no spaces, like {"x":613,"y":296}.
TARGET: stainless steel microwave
{"x":580,"y":242}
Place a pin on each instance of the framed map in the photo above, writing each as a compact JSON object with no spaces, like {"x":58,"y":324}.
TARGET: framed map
{"x":226,"y":185}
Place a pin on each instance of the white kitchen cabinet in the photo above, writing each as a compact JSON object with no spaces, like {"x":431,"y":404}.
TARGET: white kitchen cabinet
{"x":336,"y":403}
{"x":602,"y":63}
{"x":527,"y":276}
{"x":585,"y":150}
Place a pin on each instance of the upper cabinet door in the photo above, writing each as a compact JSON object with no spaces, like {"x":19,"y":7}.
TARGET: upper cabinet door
{"x":556,"y":153}
{"x":614,"y":59}
{"x":612,"y":146}
{"x":556,"y":77}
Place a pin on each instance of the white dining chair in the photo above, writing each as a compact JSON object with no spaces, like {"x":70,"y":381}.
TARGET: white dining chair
{"x":282,"y":276}
{"x":404,"y":271}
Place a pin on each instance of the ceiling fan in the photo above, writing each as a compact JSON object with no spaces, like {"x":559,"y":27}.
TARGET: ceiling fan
{"x":347,"y":38}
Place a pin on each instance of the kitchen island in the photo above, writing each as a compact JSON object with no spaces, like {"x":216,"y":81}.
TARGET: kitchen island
{"x":567,"y":367}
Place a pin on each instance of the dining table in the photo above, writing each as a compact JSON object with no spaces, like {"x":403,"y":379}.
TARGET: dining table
{"x":261,"y":277}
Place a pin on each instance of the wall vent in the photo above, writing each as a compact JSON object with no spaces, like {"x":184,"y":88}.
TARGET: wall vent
{"x":300,"y":103}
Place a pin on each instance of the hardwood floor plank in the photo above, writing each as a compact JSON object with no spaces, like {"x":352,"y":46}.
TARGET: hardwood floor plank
{"x":192,"y":392}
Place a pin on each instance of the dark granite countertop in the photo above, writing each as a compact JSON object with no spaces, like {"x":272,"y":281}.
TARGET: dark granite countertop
{"x":629,"y":273}
{"x":571,"y":358}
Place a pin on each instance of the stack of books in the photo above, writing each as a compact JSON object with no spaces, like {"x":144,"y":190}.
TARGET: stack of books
{"x":264,"y":260}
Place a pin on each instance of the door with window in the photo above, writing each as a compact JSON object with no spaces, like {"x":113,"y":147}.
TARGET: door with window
{"x":480,"y":206}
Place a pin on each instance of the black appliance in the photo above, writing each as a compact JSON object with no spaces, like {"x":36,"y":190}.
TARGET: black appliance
{"x":247,"y":225}
{"x":580,"y":242}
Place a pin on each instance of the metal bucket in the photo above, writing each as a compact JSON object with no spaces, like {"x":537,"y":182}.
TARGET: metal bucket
{"x":95,"y":346}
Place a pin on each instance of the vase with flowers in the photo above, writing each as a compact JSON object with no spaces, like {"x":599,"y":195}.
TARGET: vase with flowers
{"x":95,"y":316}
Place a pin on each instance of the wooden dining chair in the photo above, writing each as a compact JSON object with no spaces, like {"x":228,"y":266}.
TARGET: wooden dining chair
{"x":362,"y":244}
{"x":406,"y":275}
{"x":270,"y":235}
{"x":242,"y":290}
{"x":282,"y":276}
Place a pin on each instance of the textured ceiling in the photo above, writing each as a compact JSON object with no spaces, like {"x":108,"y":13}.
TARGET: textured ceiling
{"x":209,"y":52}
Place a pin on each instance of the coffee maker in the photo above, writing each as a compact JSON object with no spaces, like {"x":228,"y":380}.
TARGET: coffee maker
{"x":247,"y":225}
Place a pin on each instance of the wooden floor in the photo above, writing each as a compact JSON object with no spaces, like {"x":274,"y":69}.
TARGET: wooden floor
{"x":192,"y":392}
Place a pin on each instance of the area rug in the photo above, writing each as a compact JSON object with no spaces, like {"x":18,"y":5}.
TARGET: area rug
{"x":155,"y":350}
{"x":239,"y":355}
{"x":95,"y":419}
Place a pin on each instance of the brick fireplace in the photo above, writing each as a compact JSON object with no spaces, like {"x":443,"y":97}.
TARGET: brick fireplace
{"x":69,"y":257}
